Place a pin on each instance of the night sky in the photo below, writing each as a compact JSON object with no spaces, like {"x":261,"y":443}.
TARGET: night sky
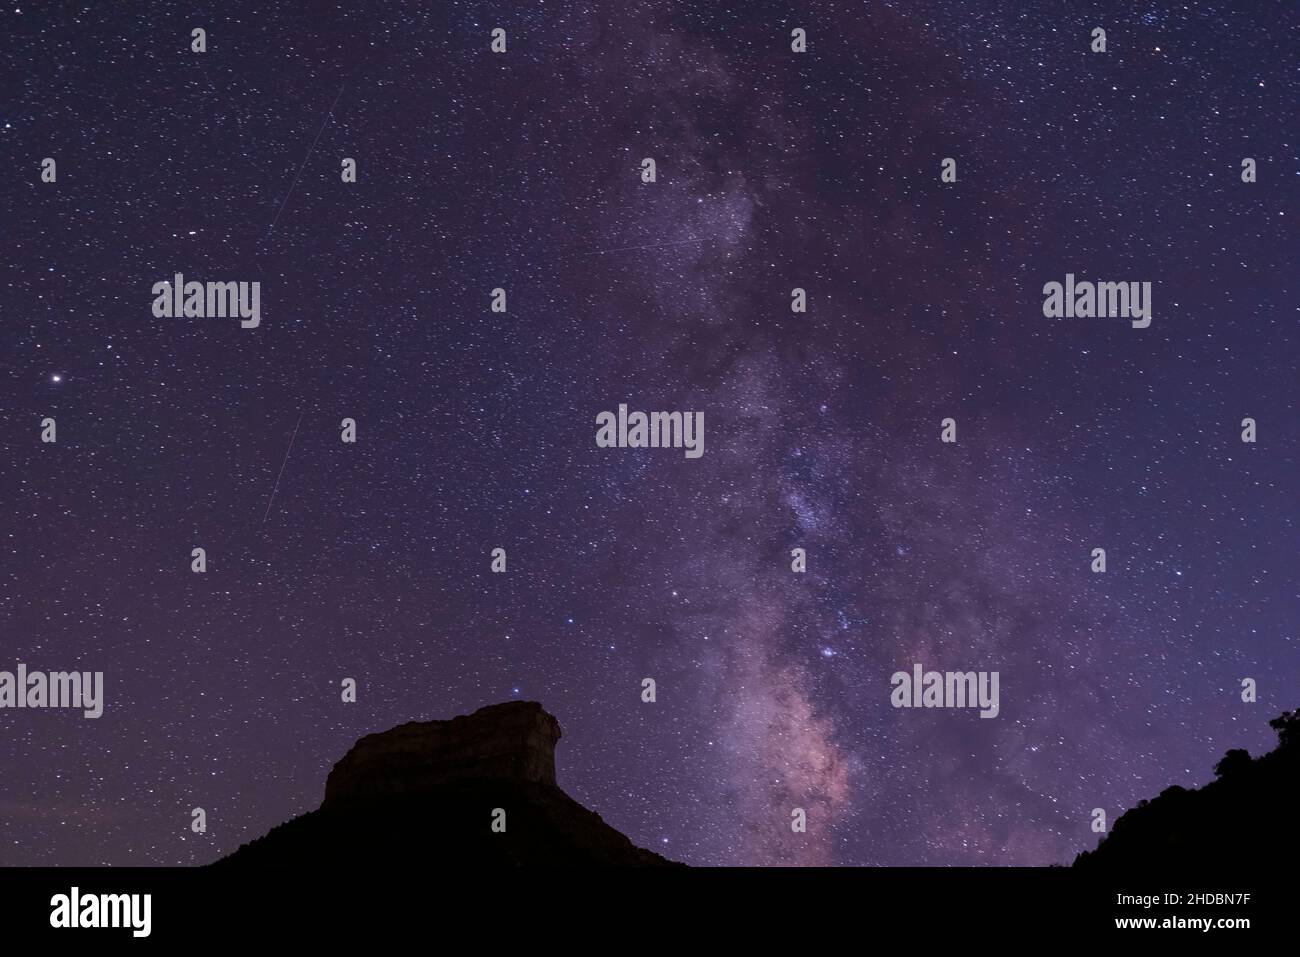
{"x":476,"y":430}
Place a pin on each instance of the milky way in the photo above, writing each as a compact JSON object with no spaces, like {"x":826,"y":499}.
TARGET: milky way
{"x":522,"y":171}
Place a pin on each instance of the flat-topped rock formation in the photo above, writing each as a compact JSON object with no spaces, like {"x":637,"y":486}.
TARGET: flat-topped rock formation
{"x":514,"y":741}
{"x":426,"y":794}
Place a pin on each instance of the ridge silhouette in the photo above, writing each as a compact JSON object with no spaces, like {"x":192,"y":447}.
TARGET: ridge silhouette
{"x":1246,"y":819}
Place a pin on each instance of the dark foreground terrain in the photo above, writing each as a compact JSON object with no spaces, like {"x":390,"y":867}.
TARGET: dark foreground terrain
{"x":1248,"y":818}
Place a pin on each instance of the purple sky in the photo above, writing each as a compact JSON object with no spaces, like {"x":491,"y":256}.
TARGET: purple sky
{"x":476,"y":429}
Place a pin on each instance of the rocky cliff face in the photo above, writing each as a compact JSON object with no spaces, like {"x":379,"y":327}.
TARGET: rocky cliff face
{"x":427,"y":794}
{"x":514,"y":741}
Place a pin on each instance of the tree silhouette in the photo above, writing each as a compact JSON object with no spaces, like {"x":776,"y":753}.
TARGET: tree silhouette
{"x":1236,"y":760}
{"x":1287,"y":726}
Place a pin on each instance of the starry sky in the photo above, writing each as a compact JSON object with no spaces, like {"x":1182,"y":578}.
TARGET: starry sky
{"x":476,"y":429}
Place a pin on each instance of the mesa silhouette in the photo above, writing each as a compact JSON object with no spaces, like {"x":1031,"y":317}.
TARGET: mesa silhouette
{"x":425,"y":793}
{"x":1246,"y":819}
